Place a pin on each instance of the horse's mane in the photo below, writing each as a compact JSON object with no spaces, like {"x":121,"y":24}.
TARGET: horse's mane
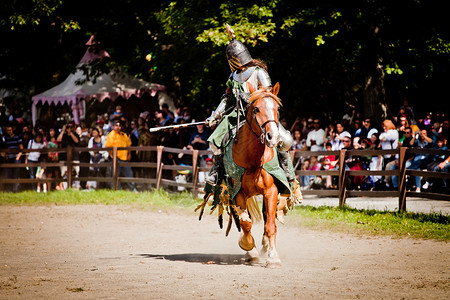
{"x":261,"y":93}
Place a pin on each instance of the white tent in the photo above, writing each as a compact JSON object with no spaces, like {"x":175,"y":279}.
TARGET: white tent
{"x":112,"y":86}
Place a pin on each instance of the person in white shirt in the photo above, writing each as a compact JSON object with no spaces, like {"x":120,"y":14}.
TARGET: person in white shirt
{"x":33,"y":157}
{"x":389,"y":138}
{"x":315,"y":139}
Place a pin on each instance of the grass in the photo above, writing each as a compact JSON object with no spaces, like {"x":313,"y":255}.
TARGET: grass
{"x":374,"y":222}
{"x":349,"y":220}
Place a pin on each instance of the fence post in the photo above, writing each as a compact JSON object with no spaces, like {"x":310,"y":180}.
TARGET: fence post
{"x":194,"y":172}
{"x":114,"y":169}
{"x":342,"y":179}
{"x":159,"y":165}
{"x":69,"y":166}
{"x":402,"y":180}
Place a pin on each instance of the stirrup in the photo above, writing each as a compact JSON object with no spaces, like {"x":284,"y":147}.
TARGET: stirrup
{"x":212,"y":178}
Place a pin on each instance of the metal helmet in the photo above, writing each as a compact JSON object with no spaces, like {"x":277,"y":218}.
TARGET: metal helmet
{"x":237,"y":53}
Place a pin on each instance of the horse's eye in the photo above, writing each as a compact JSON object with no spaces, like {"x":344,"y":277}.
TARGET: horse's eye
{"x":256,"y":110}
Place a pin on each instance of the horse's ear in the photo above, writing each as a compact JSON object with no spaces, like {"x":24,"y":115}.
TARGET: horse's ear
{"x":251,"y":88}
{"x":276,"y":89}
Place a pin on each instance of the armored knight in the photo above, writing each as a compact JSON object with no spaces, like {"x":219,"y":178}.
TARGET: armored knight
{"x":244,"y":70}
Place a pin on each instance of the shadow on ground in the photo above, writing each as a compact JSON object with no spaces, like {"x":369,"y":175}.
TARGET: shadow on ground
{"x":203,"y":258}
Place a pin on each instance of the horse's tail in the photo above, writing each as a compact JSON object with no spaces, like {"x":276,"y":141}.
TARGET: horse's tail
{"x":253,"y":209}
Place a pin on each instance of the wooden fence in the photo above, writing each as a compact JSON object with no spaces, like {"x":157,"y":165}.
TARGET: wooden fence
{"x":155,"y":169}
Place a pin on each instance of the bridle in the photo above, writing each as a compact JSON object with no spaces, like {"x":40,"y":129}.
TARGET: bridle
{"x":262,"y":135}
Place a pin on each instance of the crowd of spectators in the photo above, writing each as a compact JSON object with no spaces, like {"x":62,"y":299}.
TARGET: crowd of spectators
{"x":354,"y":132}
{"x":404,"y":129}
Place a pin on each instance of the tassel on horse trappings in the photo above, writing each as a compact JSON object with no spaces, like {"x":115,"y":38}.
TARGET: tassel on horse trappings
{"x":202,"y":205}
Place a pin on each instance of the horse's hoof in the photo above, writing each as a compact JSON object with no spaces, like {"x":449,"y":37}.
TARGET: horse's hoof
{"x":252,"y":257}
{"x":246,"y":246}
{"x":273,"y":263}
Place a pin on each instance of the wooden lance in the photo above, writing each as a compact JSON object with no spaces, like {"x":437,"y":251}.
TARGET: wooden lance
{"x":180,"y":126}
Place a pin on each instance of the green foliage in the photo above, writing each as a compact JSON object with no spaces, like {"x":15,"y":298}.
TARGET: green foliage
{"x":321,"y":52}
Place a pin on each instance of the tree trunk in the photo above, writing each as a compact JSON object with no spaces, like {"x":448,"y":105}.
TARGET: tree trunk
{"x":374,"y":101}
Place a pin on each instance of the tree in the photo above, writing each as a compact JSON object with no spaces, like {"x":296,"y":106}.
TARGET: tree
{"x":329,"y":57}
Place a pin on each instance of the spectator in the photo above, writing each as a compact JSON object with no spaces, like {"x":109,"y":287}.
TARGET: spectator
{"x":68,"y":137}
{"x":161,"y":118}
{"x":12,"y":141}
{"x":365,"y":128}
{"x":51,"y":142}
{"x":117,"y":114}
{"x":299,"y":142}
{"x":315,"y":182}
{"x":436,"y":132}
{"x":402,"y":125}
{"x":420,"y":160}
{"x":355,"y":127}
{"x":329,"y":163}
{"x":117,"y":138}
{"x":134,"y":132}
{"x":407,"y":110}
{"x":84,"y":156}
{"x":106,"y":125}
{"x":34,"y":158}
{"x":339,"y":140}
{"x":202,"y":175}
{"x":298,"y":145}
{"x":376,"y":162}
{"x":432,"y":184}
{"x":389,"y":139}
{"x":338,"y":137}
{"x":315,"y":139}
{"x":356,"y":143}
{"x":170,"y":115}
{"x":199,"y":138}
{"x":96,"y":141}
{"x":304,"y":179}
{"x":444,"y":167}
{"x":446,"y":130}
{"x":410,"y":142}
{"x":297,"y":125}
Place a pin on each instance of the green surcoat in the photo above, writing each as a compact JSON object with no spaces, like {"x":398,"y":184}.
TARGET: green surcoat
{"x":229,"y":121}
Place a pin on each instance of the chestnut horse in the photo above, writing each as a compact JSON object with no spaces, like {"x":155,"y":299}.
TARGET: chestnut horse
{"x":253,"y":148}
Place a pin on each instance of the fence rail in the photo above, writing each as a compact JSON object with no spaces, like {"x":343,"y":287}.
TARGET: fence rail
{"x":155,"y":169}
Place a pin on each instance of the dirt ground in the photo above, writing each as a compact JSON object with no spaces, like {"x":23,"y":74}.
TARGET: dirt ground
{"x":121,"y":252}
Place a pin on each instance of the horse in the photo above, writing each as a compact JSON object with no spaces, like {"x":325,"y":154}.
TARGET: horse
{"x":254,"y":147}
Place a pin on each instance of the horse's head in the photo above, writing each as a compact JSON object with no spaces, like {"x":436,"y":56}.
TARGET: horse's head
{"x":263,"y":114}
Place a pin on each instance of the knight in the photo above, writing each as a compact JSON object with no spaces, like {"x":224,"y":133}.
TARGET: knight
{"x":244,"y":70}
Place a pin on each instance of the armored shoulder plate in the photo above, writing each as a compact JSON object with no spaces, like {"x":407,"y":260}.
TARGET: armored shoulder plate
{"x":244,"y":75}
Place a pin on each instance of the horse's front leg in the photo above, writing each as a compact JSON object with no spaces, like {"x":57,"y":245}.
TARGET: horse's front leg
{"x":246,"y":242}
{"x":270,"y":228}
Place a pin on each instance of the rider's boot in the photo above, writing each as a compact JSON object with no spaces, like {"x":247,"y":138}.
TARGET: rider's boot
{"x":217,"y":172}
{"x":283,"y":157}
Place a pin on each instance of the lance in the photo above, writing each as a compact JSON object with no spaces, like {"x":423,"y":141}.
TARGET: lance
{"x":180,"y":126}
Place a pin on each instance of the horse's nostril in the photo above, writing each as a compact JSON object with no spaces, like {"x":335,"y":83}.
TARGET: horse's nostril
{"x":269,"y":136}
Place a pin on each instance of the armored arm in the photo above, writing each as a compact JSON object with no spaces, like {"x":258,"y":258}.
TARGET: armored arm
{"x":217,"y":114}
{"x":264,"y":79}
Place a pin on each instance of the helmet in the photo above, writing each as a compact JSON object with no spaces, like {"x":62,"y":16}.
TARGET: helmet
{"x":237,"y":55}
